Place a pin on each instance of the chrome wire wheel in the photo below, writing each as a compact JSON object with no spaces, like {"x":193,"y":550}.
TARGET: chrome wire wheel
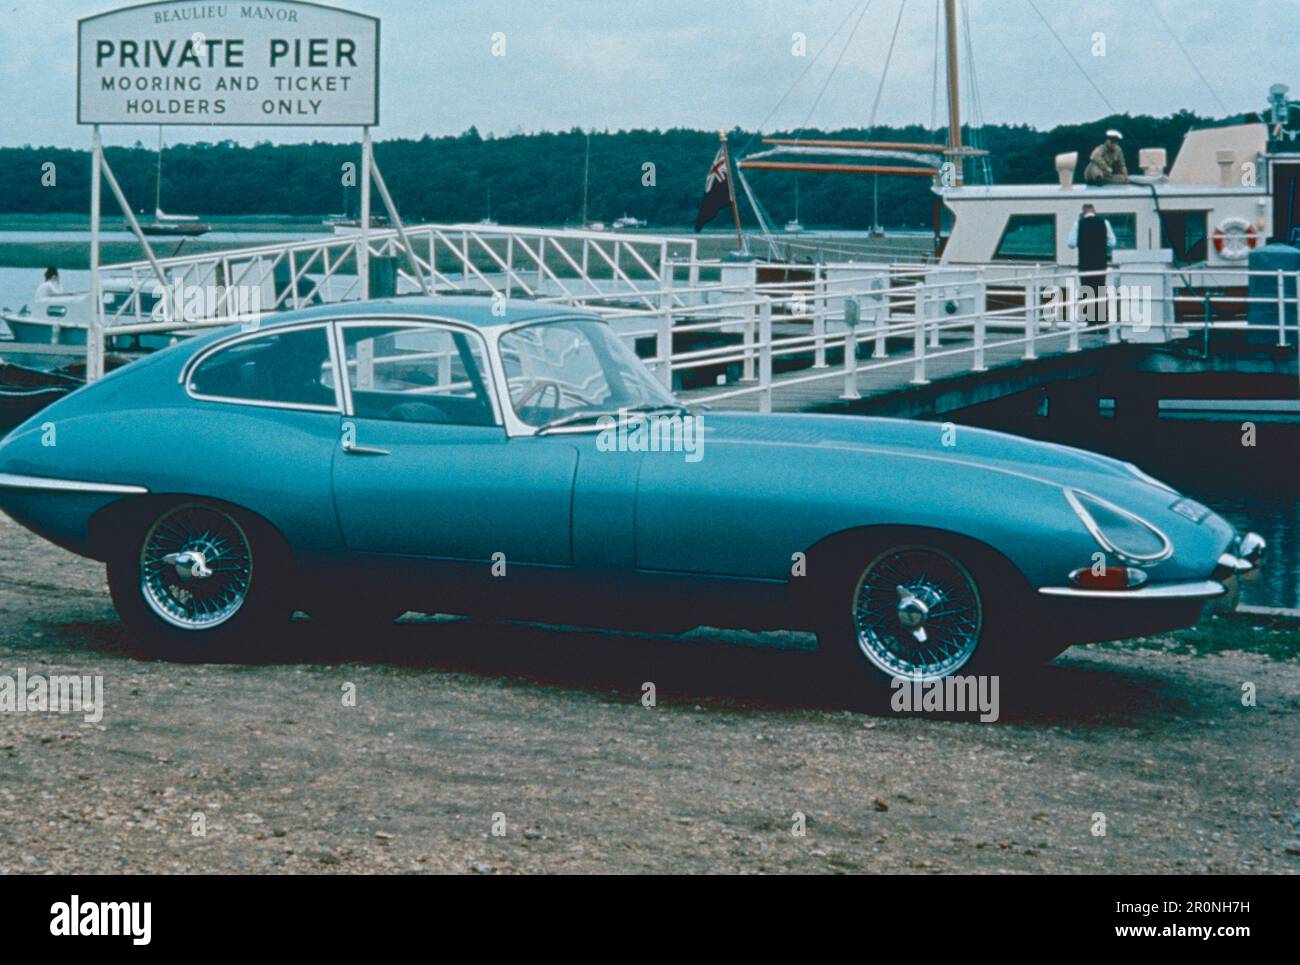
{"x":917,"y":613}
{"x":195,"y":567}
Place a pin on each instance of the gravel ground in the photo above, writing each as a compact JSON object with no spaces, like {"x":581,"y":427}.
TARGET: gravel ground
{"x":461,"y":728}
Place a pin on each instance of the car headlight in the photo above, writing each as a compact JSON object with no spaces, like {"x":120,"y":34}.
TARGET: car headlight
{"x":1126,"y":535}
{"x":1138,"y":473}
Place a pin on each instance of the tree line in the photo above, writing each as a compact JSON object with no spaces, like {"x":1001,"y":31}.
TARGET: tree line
{"x":537,"y":178}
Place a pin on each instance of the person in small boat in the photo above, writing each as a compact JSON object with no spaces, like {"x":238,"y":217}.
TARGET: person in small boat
{"x":1094,"y":238}
{"x":1106,"y":162}
{"x":51,"y":285}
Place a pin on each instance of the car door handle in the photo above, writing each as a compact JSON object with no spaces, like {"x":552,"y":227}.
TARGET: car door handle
{"x":352,"y":449}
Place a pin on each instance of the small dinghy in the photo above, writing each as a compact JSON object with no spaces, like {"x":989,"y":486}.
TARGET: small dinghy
{"x":25,"y":390}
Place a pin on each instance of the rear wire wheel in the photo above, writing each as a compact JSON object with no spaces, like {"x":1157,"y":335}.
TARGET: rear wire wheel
{"x":198,"y":581}
{"x":196,"y":567}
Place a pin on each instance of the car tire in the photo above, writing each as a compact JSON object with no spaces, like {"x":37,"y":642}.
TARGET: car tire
{"x":198,"y":581}
{"x":905,"y":604}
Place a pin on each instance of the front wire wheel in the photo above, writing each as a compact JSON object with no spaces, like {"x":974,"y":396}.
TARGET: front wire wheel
{"x":917,"y":613}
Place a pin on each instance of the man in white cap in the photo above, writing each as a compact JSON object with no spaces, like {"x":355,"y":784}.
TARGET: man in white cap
{"x":1106,"y":162}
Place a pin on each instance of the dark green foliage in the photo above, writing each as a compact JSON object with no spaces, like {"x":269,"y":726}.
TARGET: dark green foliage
{"x":537,"y":178}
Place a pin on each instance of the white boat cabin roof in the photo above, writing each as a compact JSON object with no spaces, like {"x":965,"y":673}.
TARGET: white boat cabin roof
{"x":1219,"y":182}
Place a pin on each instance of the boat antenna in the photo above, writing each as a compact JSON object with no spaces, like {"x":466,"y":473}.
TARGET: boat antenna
{"x":884,"y":73}
{"x":976,"y":125}
{"x":1164,"y":23}
{"x":799,"y":80}
{"x":1069,"y":53}
{"x":836,"y":66}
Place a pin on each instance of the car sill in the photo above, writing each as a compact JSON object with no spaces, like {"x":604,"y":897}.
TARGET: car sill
{"x":48,"y":484}
{"x":1191,"y":590}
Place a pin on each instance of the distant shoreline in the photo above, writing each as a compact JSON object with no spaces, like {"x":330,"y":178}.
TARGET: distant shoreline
{"x":234,"y":232}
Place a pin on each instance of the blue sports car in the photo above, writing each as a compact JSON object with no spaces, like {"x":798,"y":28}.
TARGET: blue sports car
{"x":518,"y":460}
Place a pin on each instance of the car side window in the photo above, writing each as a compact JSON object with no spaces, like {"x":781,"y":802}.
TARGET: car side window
{"x":290,"y":368}
{"x":417,"y":373}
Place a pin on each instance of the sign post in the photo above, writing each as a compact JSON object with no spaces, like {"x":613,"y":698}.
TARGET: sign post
{"x":94,"y":337}
{"x":363,"y":244}
{"x":274,"y":63}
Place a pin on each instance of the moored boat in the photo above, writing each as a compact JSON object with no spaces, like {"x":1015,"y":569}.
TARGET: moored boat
{"x":25,"y":390}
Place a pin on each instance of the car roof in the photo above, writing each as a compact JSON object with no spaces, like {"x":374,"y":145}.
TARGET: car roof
{"x":476,"y":310}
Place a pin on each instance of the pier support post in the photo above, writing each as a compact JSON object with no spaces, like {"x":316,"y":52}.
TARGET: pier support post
{"x":1073,"y":325}
{"x":918,"y":337}
{"x":1113,"y":310}
{"x":1032,"y":295}
{"x":765,"y":355}
{"x":981,"y":322}
{"x":363,"y":236}
{"x":1113,"y":323}
{"x":882,"y":327}
{"x":95,"y":335}
{"x":664,"y":332}
{"x":938,"y":313}
{"x":819,"y":316}
{"x":747,"y":338}
{"x":850,"y":364}
{"x":1281,"y":310}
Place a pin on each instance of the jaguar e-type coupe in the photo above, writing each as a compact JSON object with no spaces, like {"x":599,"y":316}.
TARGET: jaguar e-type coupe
{"x":356,"y":461}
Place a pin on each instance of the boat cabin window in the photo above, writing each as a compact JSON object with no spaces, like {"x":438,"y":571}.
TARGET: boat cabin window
{"x":1028,"y":237}
{"x":417,"y":373}
{"x":1125,"y":227}
{"x":290,"y":369}
{"x":1184,"y":232}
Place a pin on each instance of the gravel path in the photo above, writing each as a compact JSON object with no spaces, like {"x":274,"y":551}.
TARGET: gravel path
{"x":460,"y":728}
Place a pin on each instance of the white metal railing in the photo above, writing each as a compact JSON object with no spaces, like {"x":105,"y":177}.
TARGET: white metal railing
{"x":713,"y":315}
{"x":561,"y":264}
{"x":901,"y":312}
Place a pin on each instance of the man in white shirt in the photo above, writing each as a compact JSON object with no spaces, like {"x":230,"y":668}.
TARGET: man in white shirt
{"x":1090,"y":212}
{"x":1094,"y":237}
{"x":51,"y":285}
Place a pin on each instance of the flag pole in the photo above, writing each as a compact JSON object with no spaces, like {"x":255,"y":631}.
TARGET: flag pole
{"x":731,"y":189}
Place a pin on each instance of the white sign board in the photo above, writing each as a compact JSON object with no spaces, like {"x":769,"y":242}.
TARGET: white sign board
{"x":274,"y":63}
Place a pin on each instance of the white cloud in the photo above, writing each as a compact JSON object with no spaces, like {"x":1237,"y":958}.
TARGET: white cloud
{"x":719,"y":63}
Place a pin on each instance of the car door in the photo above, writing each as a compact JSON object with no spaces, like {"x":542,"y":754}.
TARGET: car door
{"x":425,"y":468}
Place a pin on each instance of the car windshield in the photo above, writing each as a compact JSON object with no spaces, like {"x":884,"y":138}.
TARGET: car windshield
{"x":567,"y":370}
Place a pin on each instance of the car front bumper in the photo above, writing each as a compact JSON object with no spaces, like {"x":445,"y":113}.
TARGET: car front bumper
{"x":1242,"y":559}
{"x":1084,"y":616}
{"x":1182,"y":590}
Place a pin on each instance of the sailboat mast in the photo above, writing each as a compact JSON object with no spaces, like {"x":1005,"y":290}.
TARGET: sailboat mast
{"x":954,"y":102}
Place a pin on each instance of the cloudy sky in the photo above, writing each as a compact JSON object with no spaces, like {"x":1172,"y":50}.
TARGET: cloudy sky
{"x":721,"y":63}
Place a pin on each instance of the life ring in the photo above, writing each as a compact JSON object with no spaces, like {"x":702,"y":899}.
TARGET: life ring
{"x":1234,"y":238}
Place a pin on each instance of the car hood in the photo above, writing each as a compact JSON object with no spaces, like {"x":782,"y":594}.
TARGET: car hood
{"x":1003,"y":489}
{"x":1045,"y":462}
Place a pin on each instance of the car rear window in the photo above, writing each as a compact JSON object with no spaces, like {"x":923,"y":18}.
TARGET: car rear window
{"x":280,"y":368}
